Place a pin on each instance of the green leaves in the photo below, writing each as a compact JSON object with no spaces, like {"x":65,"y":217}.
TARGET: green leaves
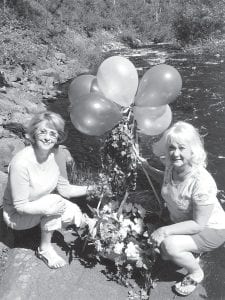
{"x":118,"y":159}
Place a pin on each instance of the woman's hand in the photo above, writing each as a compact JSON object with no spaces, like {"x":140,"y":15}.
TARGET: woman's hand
{"x":158,"y":236}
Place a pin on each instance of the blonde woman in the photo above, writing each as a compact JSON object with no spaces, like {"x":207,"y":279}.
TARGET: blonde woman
{"x":37,"y":192}
{"x":189,"y":192}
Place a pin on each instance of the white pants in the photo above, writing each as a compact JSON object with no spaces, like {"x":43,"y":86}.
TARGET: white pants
{"x":71,"y":215}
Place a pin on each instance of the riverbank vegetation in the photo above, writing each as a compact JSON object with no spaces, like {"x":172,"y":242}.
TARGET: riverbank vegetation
{"x":33,"y":30}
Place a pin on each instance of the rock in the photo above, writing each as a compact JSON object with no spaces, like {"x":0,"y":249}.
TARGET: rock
{"x":13,"y":75}
{"x":49,"y":72}
{"x":3,"y":182}
{"x":3,"y":89}
{"x":8,"y":148}
{"x":60,"y":56}
{"x":3,"y":81}
{"x":8,"y":104}
{"x":24,"y":100}
{"x":18,"y":117}
{"x":32,"y":86}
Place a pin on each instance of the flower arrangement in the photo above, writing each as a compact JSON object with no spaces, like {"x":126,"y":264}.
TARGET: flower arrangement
{"x":123,"y":229}
{"x":124,"y":238}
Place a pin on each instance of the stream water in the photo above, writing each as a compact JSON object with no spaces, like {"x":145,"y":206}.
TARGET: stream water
{"x":201,"y":102}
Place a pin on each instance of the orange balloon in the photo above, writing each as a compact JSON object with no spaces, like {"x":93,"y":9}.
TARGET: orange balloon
{"x":151,"y":123}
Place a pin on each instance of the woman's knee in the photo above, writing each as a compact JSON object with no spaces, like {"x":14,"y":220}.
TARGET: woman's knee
{"x":72,"y":214}
{"x":168,"y":247}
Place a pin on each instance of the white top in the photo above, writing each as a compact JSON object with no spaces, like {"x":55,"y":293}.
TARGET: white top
{"x":29,"y":180}
{"x":198,"y":189}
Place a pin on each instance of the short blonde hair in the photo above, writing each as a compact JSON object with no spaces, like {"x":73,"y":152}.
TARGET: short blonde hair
{"x":188,"y":134}
{"x":53,"y":119}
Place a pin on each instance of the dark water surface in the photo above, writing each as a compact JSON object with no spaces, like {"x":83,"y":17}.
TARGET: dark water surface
{"x":201,"y":103}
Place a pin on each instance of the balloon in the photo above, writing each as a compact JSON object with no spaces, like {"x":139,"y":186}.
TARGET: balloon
{"x":81,"y":85}
{"x":159,"y":147}
{"x":160,"y":85}
{"x":149,"y":122}
{"x":94,"y":86}
{"x":93,"y":114}
{"x":118,"y":80}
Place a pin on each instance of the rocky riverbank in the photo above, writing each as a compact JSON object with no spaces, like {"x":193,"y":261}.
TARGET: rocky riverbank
{"x":23,"y":93}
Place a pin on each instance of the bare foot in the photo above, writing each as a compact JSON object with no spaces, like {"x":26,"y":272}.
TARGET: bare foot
{"x":51,"y":258}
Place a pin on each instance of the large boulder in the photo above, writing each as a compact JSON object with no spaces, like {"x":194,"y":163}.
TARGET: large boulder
{"x":8,"y":148}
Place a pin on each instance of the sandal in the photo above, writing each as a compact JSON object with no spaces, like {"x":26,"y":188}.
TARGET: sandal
{"x":186,"y":286}
{"x":51,"y":258}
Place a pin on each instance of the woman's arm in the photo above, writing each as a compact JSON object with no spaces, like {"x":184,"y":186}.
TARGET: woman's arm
{"x":200,"y":219}
{"x":68,"y":190}
{"x":158,"y":175}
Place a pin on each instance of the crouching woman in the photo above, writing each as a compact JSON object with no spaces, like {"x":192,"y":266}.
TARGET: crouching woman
{"x":189,"y":192}
{"x":37,"y":192}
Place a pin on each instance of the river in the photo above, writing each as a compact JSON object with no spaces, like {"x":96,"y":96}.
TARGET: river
{"x":201,"y":102}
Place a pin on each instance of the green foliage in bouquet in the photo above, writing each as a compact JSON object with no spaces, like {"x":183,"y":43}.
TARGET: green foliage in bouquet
{"x":118,"y":158}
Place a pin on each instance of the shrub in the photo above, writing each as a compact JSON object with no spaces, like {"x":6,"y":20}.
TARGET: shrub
{"x":193,"y":23}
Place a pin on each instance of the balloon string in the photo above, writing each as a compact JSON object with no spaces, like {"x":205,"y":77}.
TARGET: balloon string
{"x":148,"y":178}
{"x":154,"y":190}
{"x":120,"y":210}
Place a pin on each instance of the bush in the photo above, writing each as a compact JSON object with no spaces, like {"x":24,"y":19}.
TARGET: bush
{"x":194,"y":23}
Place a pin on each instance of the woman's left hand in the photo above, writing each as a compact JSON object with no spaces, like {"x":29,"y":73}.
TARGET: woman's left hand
{"x":158,"y":236}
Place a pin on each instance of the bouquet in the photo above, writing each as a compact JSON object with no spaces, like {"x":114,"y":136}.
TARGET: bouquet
{"x":122,"y":233}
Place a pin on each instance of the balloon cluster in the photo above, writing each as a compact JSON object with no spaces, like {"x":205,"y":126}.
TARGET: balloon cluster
{"x":97,"y":101}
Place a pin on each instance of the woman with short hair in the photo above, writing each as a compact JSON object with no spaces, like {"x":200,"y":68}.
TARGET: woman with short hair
{"x":37,"y":191}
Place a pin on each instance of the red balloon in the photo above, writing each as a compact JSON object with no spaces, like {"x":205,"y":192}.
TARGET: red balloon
{"x":160,"y":85}
{"x":81,"y":85}
{"x":93,"y":114}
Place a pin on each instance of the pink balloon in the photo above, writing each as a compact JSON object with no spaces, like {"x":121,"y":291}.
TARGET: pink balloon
{"x":81,"y":85}
{"x":93,"y":114}
{"x":160,"y":85}
{"x":118,"y":80}
{"x":151,"y":123}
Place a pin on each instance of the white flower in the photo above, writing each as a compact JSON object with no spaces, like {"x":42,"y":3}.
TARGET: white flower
{"x":128,"y":207}
{"x":118,"y":248}
{"x":132,"y":251}
{"x":141,"y":210}
{"x":106,"y":208}
{"x":145,"y":234}
{"x":137,"y":226}
{"x":127,"y":223}
{"x":98,"y":245}
{"x":123,"y":232}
